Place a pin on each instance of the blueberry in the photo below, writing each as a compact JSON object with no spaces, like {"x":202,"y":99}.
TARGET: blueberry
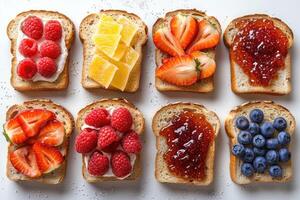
{"x":272,"y":157}
{"x":248,"y":155}
{"x":272,"y":143}
{"x":244,"y":137}
{"x":280,"y":124}
{"x":242,"y":123}
{"x":275,"y":171}
{"x":260,"y":164}
{"x":284,"y":155}
{"x":259,"y":151}
{"x":254,"y":129}
{"x":257,"y":116}
{"x":247,"y":169}
{"x":259,"y":141}
{"x":267,"y":129}
{"x":238,"y":150}
{"x":284,"y":138}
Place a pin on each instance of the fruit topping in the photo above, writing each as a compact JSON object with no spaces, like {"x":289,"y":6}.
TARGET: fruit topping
{"x":242,"y":123}
{"x":244,"y":137}
{"x":247,"y":169}
{"x":280,"y":124}
{"x":284,"y":155}
{"x":272,"y":143}
{"x":238,"y":150}
{"x":32,"y":26}
{"x":98,"y":164}
{"x":86,"y":141}
{"x":27,"y":69}
{"x":107,"y":43}
{"x":284,"y":138}
{"x":121,"y":119}
{"x":46,"y":67}
{"x":107,"y":136}
{"x":254,"y":129}
{"x":120,"y":163}
{"x":260,"y":164}
{"x":97,"y":118}
{"x":50,"y":49}
{"x":259,"y":151}
{"x":275,"y":171}
{"x":131,"y":143}
{"x":272,"y":157}
{"x":53,"y":30}
{"x":267,"y":129}
{"x":259,"y":141}
{"x":256,"y":115}
{"x":28,"y":47}
{"x":249,"y":155}
{"x":14,"y":133}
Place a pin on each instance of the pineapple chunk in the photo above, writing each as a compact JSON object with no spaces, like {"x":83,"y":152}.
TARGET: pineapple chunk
{"x":109,"y":28}
{"x":107,"y":43}
{"x":121,"y":77}
{"x":121,"y":49}
{"x":106,"y":18}
{"x":130,"y":57}
{"x":129,"y":30}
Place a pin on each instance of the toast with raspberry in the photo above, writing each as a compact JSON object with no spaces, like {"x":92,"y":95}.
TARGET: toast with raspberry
{"x":187,"y":169}
{"x":22,"y":79}
{"x":117,"y":126}
{"x":55,"y":145}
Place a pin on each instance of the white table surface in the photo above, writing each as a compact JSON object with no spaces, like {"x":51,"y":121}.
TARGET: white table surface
{"x":148,"y":100}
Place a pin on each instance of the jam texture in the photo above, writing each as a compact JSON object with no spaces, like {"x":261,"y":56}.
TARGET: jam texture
{"x":260,"y":48}
{"x":188,"y":136}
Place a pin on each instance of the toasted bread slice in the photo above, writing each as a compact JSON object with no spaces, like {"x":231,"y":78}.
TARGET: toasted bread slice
{"x":62,"y":115}
{"x":160,"y":120}
{"x":138,"y":124}
{"x":271,"y":111}
{"x":204,"y":85}
{"x":240,"y":81}
{"x":12,"y":32}
{"x":87,"y":30}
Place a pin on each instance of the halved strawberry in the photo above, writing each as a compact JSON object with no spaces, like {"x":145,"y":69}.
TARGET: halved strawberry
{"x":184,"y":28}
{"x":24,"y":161}
{"x":208,"y":37}
{"x":48,"y":158}
{"x":166,"y":42}
{"x":33,"y":120}
{"x":13,"y":132}
{"x":207,"y":65}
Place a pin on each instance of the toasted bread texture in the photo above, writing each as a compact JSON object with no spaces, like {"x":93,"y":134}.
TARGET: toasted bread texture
{"x":87,"y":30}
{"x":271,"y":111}
{"x":12,"y":32}
{"x":240,"y":81}
{"x":160,"y":120}
{"x":202,"y":86}
{"x":138,"y":127}
{"x":62,"y":115}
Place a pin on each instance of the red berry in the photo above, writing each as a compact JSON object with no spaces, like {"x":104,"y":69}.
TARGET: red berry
{"x":121,"y":120}
{"x":32,"y":26}
{"x":53,"y":30}
{"x":112,"y":147}
{"x":106,"y":136}
{"x":98,"y":164}
{"x":131,"y":143}
{"x":98,"y":117}
{"x":120,"y":164}
{"x":86,"y":141}
{"x":27,"y":69}
{"x":46,"y":67}
{"x":50,"y":49}
{"x":28,"y":47}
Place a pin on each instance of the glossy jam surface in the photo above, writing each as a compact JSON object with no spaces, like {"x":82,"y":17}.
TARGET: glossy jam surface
{"x":260,"y":49}
{"x":189,"y":136}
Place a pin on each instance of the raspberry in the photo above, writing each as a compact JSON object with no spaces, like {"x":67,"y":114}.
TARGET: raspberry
{"x":106,"y":136}
{"x":98,"y":117}
{"x":98,"y":164}
{"x":46,"y":67}
{"x":112,"y":147}
{"x":28,"y":47}
{"x":53,"y":30}
{"x":121,"y":120}
{"x":50,"y":49}
{"x":131,"y":143}
{"x":86,"y":141}
{"x":27,"y":68}
{"x":120,"y":164}
{"x":32,"y":27}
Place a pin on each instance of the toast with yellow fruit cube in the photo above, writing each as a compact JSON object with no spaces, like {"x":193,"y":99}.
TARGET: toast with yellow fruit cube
{"x":112,"y":50}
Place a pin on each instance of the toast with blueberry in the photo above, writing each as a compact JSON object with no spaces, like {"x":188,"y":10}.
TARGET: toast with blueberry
{"x":260,"y":133}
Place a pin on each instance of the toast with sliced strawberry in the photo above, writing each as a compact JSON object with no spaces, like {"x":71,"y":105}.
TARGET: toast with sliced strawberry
{"x":38,"y":132}
{"x":185,"y":43}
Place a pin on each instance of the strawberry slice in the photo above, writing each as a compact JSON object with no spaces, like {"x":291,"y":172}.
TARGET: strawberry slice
{"x":33,"y":120}
{"x":24,"y":161}
{"x":184,"y":28}
{"x":13,"y":132}
{"x":48,"y":158}
{"x":207,"y":65}
{"x":165,"y":41}
{"x":208,"y":37}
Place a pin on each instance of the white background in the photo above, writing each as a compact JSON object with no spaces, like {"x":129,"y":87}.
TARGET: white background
{"x":148,"y":100}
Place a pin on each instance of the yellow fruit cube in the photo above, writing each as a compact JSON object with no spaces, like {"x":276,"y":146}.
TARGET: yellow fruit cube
{"x":129,"y":30}
{"x":121,"y":49}
{"x":121,"y":77}
{"x":107,"y":43}
{"x":109,"y":28}
{"x":106,"y":18}
{"x":130,"y":57}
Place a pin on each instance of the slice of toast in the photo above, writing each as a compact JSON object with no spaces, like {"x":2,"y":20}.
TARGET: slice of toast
{"x":138,"y":124}
{"x":87,"y":30}
{"x":240,"y":81}
{"x":12,"y":32}
{"x":62,"y":115}
{"x":160,"y":120}
{"x":271,"y":111}
{"x":204,"y":85}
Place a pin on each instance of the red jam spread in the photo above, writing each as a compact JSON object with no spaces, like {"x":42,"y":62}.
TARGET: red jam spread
{"x":260,"y":49}
{"x":189,"y":136}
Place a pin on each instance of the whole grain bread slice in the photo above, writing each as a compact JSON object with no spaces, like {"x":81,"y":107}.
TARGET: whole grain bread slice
{"x":160,"y":120}
{"x":202,"y":86}
{"x":12,"y":32}
{"x":240,"y":81}
{"x":271,"y":111}
{"x":138,"y":127}
{"x":87,"y":30}
{"x":63,"y":116}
